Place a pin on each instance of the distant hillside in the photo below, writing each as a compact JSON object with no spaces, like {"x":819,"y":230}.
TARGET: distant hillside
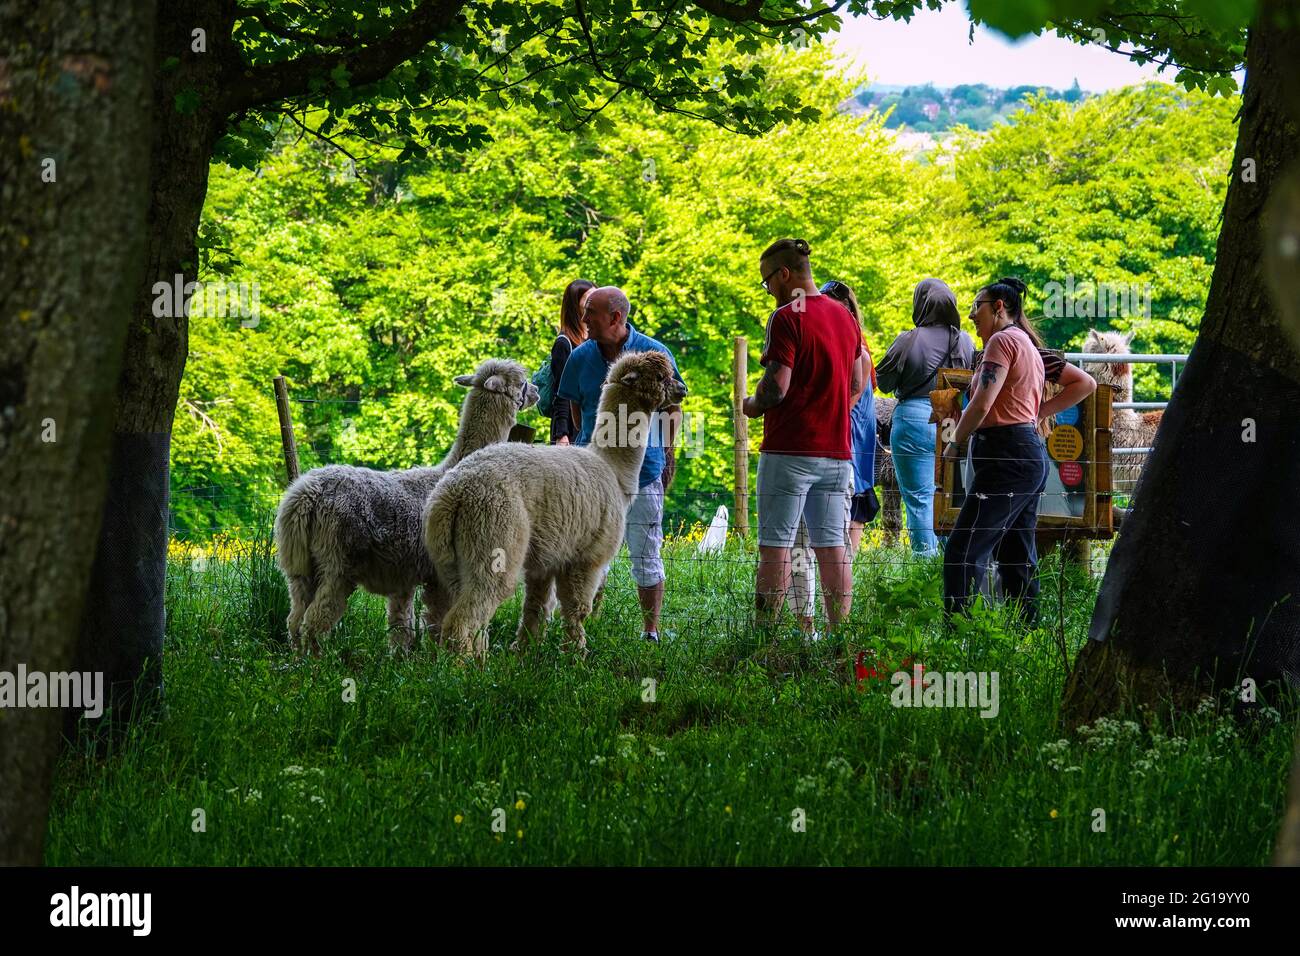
{"x":927,"y":109}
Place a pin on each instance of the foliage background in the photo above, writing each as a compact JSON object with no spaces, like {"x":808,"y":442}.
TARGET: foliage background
{"x":379,"y":282}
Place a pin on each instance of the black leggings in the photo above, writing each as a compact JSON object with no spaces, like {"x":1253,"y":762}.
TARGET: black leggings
{"x":998,"y":519}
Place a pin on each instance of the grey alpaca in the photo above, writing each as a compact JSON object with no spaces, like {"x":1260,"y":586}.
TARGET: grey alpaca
{"x":891,"y":499}
{"x":340,"y":527}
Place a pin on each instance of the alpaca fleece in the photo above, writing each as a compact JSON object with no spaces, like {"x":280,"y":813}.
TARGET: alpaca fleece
{"x":552,"y":515}
{"x":340,"y":527}
{"x":1129,"y":427}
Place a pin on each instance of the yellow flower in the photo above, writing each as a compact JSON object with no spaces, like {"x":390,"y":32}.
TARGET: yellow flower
{"x":519,"y":804}
{"x":1053,"y":814}
{"x":459,"y":819}
{"x":727,"y":808}
{"x":519,"y":834}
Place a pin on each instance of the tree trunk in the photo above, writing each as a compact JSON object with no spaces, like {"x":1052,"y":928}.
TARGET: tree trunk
{"x":1203,"y":586}
{"x":74,"y":88}
{"x":124,"y":623}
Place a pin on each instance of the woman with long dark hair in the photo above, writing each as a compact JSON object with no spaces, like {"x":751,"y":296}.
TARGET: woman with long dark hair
{"x":573,"y":332}
{"x":1008,"y":457}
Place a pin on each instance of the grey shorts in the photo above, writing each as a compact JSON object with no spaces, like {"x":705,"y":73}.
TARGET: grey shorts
{"x":645,"y":534}
{"x":795,"y":486}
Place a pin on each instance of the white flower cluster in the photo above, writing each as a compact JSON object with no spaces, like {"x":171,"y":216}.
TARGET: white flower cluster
{"x":301,"y":781}
{"x":626,"y":749}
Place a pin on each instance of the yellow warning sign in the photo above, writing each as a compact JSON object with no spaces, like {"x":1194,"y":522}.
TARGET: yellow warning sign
{"x":1065,"y":443}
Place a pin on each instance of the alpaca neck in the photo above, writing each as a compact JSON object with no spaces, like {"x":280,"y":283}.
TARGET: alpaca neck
{"x":620,"y":440}
{"x":1124,"y":388}
{"x":481,"y":424}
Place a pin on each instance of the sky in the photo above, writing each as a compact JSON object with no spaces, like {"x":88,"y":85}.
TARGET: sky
{"x":934,"y":48}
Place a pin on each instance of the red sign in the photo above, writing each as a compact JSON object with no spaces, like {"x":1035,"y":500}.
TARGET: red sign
{"x":1071,"y":473}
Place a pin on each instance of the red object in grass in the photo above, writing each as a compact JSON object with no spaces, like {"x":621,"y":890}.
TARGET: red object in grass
{"x":867,"y":667}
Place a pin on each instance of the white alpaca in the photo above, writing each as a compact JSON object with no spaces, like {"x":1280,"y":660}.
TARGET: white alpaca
{"x":553,"y":515}
{"x":1129,"y":427}
{"x":340,"y":527}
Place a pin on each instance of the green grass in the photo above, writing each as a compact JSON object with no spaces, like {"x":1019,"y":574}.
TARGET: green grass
{"x":744,"y":729}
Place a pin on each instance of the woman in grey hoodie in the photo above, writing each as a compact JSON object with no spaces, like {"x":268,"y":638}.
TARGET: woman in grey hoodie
{"x":908,"y":370}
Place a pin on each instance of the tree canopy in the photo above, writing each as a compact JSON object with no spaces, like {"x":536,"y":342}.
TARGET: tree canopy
{"x":381,"y":283}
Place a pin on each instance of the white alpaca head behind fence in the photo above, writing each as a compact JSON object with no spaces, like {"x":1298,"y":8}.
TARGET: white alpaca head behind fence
{"x":1118,"y":375}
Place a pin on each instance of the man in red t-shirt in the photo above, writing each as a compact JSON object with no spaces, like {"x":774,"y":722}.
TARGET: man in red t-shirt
{"x":814,"y":365}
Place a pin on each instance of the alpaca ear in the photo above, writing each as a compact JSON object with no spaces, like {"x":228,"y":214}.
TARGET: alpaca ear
{"x":629,"y":377}
{"x":495,"y":383}
{"x":465,"y":381}
{"x":1129,"y":336}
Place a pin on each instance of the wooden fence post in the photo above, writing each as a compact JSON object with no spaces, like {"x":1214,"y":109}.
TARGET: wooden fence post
{"x":286,"y":429}
{"x":740,"y":386}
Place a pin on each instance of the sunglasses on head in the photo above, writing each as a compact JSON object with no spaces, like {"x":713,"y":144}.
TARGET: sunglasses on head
{"x":836,"y":288}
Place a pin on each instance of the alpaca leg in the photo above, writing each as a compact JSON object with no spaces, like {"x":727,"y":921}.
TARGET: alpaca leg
{"x":576,"y":588}
{"x":552,"y":602}
{"x":326,"y":610}
{"x":401,"y":632}
{"x":436,"y":604}
{"x":539,"y":589}
{"x":600,"y":591}
{"x":464,"y":629}
{"x":892,"y":519}
{"x":302,"y":591}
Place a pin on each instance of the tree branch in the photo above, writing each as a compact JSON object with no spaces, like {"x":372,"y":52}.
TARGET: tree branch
{"x":749,"y":12}
{"x":263,"y":85}
{"x":299,"y":36}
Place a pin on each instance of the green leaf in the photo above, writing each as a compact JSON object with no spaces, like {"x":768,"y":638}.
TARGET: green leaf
{"x":1015,"y":18}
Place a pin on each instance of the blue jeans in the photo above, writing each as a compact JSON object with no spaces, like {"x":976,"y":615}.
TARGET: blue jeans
{"x":912,"y":443}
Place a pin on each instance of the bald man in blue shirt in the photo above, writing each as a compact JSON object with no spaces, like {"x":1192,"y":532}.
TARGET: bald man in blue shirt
{"x":605,"y":311}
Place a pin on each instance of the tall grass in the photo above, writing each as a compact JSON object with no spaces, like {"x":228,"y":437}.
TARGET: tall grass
{"x":748,"y":734}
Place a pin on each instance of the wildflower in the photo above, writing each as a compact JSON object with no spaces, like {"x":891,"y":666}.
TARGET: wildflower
{"x":519,"y":804}
{"x":727,"y":808}
{"x":458,"y":819}
{"x":519,"y":834}
{"x":1053,"y":814}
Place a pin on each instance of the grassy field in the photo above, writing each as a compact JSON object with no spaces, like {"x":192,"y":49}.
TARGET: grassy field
{"x":746,"y":735}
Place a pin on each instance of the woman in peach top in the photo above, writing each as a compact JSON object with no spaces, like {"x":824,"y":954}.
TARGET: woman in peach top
{"x":1000,"y":513}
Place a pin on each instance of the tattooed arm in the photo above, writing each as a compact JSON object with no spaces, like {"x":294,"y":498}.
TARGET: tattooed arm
{"x":770,"y":391}
{"x":989,"y":378}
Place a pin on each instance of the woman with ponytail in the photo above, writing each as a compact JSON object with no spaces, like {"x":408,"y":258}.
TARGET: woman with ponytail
{"x":862,"y":426}
{"x":1009,"y":459}
{"x":909,"y":370}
